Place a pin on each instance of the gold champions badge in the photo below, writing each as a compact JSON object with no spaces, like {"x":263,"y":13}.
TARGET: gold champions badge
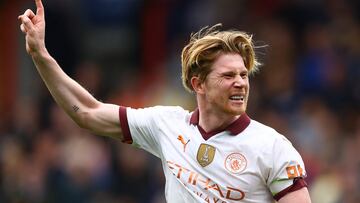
{"x":205,"y":154}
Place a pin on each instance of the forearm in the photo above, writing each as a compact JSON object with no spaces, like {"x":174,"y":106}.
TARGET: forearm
{"x":69,"y":95}
{"x":78,"y":103}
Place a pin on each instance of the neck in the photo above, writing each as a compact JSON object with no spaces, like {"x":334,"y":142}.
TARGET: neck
{"x":210,"y":120}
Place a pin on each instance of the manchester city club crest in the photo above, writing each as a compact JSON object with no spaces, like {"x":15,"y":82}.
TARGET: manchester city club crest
{"x":205,"y":154}
{"x":235,"y":163}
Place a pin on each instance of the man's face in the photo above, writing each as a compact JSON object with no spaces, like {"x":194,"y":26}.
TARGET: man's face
{"x":227,"y":85}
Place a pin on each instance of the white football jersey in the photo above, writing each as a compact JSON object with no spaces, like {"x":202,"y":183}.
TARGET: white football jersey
{"x":246,"y":162}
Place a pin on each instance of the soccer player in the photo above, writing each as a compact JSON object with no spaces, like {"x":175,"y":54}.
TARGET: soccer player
{"x":215,"y":153}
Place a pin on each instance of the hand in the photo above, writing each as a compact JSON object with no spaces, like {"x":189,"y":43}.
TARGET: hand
{"x":33,"y":26}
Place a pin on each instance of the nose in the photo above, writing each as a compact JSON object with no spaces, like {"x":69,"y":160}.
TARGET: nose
{"x":239,"y":81}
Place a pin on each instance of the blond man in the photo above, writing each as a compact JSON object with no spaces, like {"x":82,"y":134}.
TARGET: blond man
{"x":215,"y":153}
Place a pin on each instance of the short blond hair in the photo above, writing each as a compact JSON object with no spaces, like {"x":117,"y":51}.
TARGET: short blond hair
{"x":207,"y":45}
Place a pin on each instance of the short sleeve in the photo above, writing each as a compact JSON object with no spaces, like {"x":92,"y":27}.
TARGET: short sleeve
{"x":287,"y":166}
{"x":144,"y":126}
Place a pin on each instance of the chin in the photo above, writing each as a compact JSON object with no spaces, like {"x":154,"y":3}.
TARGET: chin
{"x":236,"y":111}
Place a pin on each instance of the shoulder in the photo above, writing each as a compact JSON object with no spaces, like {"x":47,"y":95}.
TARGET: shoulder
{"x":267,"y":133}
{"x":169,"y":110}
{"x":159,"y":112}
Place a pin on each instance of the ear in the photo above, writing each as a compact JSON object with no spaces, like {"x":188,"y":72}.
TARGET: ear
{"x":197,"y":85}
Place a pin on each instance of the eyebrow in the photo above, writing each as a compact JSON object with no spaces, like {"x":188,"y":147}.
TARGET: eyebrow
{"x":227,"y":73}
{"x":233,"y":72}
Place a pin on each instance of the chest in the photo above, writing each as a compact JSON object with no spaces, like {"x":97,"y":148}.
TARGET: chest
{"x":224,"y":164}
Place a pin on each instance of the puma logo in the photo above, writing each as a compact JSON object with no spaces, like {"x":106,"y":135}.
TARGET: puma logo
{"x":180,"y":137}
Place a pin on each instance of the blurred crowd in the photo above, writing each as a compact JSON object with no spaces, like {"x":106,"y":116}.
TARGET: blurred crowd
{"x":128,"y":52}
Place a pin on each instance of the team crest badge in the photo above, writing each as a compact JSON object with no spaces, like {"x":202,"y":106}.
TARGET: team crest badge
{"x":235,"y":163}
{"x":205,"y":154}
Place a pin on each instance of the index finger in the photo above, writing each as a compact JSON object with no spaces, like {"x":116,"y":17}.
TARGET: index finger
{"x":39,"y":7}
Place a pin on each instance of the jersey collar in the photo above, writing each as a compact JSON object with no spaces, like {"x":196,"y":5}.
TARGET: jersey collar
{"x":234,"y":128}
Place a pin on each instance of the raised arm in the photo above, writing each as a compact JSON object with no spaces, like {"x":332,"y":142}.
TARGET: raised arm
{"x":78,"y":103}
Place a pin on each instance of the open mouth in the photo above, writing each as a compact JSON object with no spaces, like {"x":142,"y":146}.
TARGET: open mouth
{"x":237,"y":98}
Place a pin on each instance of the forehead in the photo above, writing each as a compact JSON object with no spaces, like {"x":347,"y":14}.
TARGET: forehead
{"x":229,"y":62}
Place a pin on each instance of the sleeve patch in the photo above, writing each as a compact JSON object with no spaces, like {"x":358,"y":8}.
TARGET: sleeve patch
{"x":294,"y":170}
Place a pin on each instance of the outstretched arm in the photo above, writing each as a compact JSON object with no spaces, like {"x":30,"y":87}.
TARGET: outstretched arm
{"x":78,"y":103}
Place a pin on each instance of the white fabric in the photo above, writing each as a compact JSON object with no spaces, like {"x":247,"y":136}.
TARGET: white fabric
{"x":262,"y":155}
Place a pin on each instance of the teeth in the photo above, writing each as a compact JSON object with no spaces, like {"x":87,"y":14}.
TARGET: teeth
{"x":237,"y":97}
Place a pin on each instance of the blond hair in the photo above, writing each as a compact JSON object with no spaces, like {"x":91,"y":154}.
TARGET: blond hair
{"x":207,"y":45}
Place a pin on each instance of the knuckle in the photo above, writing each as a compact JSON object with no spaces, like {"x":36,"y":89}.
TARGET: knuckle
{"x":26,"y":20}
{"x":28,"y":12}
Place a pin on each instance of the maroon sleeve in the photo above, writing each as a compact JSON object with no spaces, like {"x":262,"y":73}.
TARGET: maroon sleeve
{"x":297,"y":185}
{"x":124,"y":125}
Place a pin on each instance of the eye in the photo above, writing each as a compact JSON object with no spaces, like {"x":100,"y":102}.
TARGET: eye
{"x":228,"y":75}
{"x":244,"y":75}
